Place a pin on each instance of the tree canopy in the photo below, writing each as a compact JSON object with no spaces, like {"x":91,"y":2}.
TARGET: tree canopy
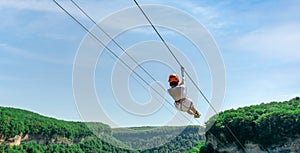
{"x":264,"y":124}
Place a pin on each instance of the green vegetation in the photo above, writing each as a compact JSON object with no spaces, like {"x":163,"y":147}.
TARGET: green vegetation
{"x":15,"y":121}
{"x":264,"y":124}
{"x":181,"y":143}
{"x":91,"y":145}
{"x":197,"y":148}
{"x":75,"y":136}
{"x":172,"y":138}
{"x":52,"y":135}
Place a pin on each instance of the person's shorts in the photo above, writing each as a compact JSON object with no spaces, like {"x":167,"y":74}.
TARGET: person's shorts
{"x":184,"y":105}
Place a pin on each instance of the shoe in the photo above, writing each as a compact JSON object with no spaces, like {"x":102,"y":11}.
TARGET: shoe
{"x":197,"y":116}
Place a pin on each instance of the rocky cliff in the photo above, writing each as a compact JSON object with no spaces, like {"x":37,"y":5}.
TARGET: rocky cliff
{"x":268,"y":127}
{"x":289,"y":146}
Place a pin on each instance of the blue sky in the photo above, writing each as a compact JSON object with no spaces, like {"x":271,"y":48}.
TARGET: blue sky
{"x":258,"y":40}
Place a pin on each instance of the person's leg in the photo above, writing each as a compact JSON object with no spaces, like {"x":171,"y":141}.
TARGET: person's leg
{"x":190,"y":112}
{"x":187,"y":105}
{"x":193,"y":109}
{"x":195,"y":112}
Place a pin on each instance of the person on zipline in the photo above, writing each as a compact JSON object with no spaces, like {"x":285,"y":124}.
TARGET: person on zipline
{"x":178,"y":93}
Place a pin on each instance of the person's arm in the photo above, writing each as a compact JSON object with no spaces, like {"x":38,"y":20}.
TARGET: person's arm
{"x":182,"y":75}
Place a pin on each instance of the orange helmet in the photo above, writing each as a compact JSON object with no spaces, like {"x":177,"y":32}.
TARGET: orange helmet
{"x":173,"y":78}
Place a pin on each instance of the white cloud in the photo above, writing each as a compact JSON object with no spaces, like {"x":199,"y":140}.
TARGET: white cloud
{"x":30,"y":55}
{"x":271,"y":84}
{"x":29,"y":5}
{"x":100,"y":9}
{"x":147,"y":30}
{"x":280,"y":42}
{"x":50,"y":6}
{"x":210,"y":16}
{"x":206,"y":12}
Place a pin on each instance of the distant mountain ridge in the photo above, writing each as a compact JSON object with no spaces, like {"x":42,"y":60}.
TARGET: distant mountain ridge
{"x":169,"y":138}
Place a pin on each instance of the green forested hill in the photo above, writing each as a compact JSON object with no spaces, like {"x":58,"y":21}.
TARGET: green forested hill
{"x":51,"y":135}
{"x":160,"y":139}
{"x":266,"y":125}
{"x":181,"y":143}
{"x":15,"y":121}
{"x":54,"y":135}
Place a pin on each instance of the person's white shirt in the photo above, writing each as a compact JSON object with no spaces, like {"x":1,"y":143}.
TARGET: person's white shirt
{"x":178,"y":92}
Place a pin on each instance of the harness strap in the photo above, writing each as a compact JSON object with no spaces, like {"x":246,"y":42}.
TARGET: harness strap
{"x":180,"y":100}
